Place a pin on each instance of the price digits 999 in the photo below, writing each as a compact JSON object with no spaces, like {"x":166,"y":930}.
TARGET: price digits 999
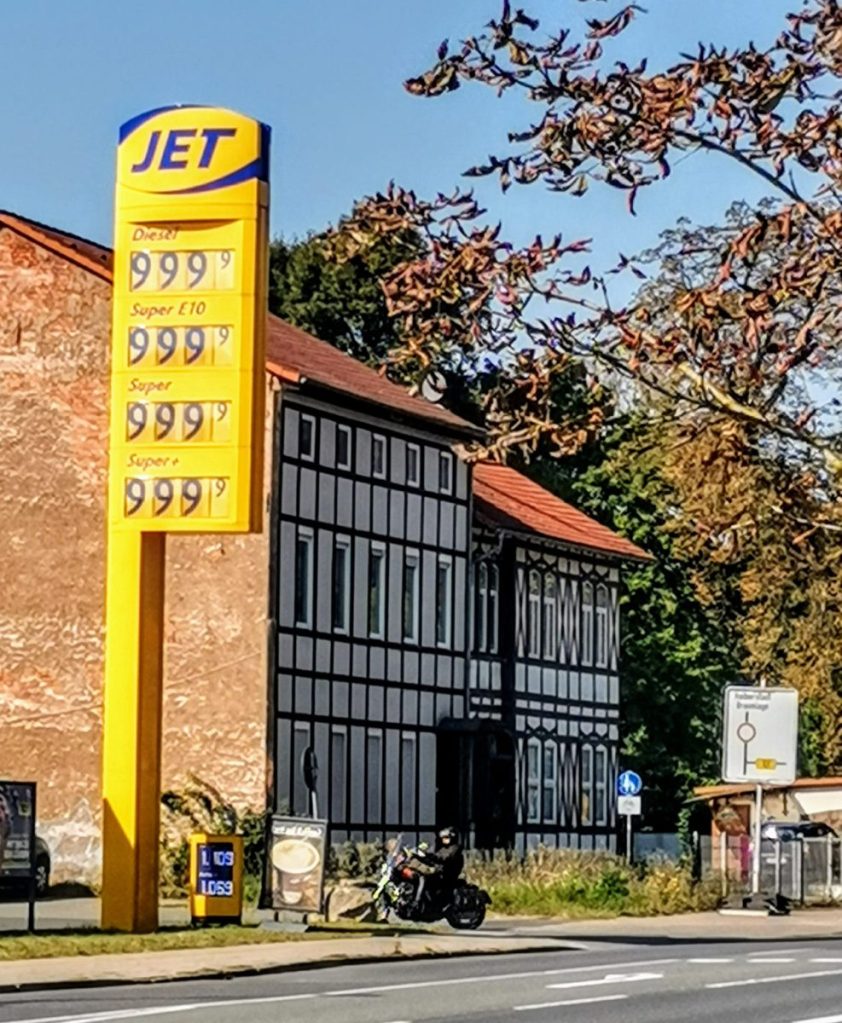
{"x":197,"y":270}
{"x":175,"y":422}
{"x":176,"y":498}
{"x":180,"y":346}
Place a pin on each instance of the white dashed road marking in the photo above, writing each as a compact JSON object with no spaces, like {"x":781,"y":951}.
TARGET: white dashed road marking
{"x":609,"y":978}
{"x":700,"y":961}
{"x":572,"y":1001}
{"x":774,"y":980}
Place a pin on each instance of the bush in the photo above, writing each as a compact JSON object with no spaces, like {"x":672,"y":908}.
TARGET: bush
{"x":560,"y":882}
{"x":201,"y":808}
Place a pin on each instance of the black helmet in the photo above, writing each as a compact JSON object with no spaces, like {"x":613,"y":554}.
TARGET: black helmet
{"x":447,"y":835}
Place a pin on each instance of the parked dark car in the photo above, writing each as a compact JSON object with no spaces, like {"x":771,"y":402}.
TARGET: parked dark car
{"x":788,"y":831}
{"x":43,"y":866}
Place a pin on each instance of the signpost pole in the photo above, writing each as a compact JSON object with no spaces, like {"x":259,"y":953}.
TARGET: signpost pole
{"x":132,"y":730}
{"x":629,"y":846}
{"x":33,"y":860}
{"x":758,"y":811}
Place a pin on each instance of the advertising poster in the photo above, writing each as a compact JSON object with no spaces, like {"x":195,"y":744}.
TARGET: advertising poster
{"x":17,"y":828}
{"x":297,"y":857}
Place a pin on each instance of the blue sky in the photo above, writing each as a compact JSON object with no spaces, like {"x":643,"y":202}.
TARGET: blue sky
{"x":326,"y":74}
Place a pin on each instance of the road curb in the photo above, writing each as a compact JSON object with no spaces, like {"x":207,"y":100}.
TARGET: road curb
{"x":232,"y":972}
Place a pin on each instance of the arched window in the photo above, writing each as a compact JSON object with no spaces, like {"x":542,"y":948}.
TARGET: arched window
{"x":586,"y":653}
{"x":601,"y":626}
{"x":533,"y":781}
{"x":534,"y":613}
{"x":549,"y":787}
{"x":550,"y":623}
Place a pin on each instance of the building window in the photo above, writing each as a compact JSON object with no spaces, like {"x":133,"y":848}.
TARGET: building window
{"x":413,"y":465}
{"x":338,"y":772}
{"x":408,"y":755}
{"x":374,"y":776}
{"x":601,"y":786}
{"x":486,"y":628}
{"x":493,"y":622}
{"x":480,"y":617}
{"x":376,"y":590}
{"x":445,"y":472}
{"x":378,"y":456}
{"x":550,"y":624}
{"x":534,"y":614}
{"x":306,"y":438}
{"x":533,"y":781}
{"x":410,"y":596}
{"x":301,"y":741}
{"x":550,"y":783}
{"x":586,"y":806}
{"x":444,"y":599}
{"x":586,"y":655}
{"x":343,"y":447}
{"x":601,"y":626}
{"x":304,"y":577}
{"x":341,"y":583}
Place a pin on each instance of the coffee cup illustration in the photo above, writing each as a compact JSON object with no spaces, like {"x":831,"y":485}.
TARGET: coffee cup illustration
{"x":297,"y":863}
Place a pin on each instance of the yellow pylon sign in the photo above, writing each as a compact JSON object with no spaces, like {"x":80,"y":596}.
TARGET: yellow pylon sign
{"x":187,"y":425}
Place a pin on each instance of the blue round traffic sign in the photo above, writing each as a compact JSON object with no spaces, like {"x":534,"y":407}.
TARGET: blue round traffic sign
{"x":629,"y":783}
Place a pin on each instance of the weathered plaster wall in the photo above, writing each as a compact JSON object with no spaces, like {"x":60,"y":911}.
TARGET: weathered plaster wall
{"x":54,"y":339}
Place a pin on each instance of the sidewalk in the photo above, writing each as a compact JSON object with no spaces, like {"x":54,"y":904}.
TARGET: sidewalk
{"x":800,"y":925}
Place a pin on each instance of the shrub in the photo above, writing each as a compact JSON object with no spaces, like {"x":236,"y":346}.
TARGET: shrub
{"x":201,"y":808}
{"x":550,"y":882}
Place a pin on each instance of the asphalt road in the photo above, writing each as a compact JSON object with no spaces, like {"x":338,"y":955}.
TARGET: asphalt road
{"x":772,"y":982}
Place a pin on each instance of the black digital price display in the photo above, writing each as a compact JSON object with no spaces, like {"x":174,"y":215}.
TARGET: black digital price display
{"x":215,"y":874}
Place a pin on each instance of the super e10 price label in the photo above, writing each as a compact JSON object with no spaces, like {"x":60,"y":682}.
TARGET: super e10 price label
{"x":188,"y":345}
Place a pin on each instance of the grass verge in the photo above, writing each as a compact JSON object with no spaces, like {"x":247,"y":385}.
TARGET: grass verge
{"x":91,"y":942}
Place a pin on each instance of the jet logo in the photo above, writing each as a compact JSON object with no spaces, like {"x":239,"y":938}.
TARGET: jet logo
{"x":180,"y":148}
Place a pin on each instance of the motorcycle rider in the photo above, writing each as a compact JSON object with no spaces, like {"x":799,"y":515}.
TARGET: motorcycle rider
{"x":439,"y":871}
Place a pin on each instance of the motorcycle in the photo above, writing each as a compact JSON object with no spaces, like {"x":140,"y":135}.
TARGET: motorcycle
{"x":403,"y":877}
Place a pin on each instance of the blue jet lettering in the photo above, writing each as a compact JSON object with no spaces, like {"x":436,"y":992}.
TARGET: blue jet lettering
{"x":177,"y":147}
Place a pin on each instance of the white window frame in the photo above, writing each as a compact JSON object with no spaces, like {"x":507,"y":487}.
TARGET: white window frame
{"x":346,"y":431}
{"x":586,"y":787}
{"x":413,"y":481}
{"x":408,"y":815}
{"x":336,"y":731}
{"x":411,"y":556}
{"x":533,"y":781}
{"x":446,"y":460}
{"x":481,"y":615}
{"x":379,"y":438}
{"x":374,"y":733}
{"x":493,"y":620}
{"x":600,"y":776}
{"x":306,"y":534}
{"x":377,"y":548}
{"x":601,"y":630}
{"x":305,"y":456}
{"x":549,"y":621}
{"x":533,"y":612}
{"x":549,"y":782}
{"x":341,"y":542}
{"x":445,"y":614}
{"x":587,"y":630}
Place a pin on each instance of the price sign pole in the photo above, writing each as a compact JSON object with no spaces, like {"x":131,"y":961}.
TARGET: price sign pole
{"x":186,"y":434}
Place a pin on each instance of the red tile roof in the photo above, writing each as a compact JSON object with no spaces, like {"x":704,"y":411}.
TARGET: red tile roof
{"x":506,"y":498}
{"x":290,"y":350}
{"x":292,"y":354}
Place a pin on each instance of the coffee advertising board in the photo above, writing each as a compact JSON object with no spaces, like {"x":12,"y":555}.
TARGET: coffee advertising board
{"x":297,"y":863}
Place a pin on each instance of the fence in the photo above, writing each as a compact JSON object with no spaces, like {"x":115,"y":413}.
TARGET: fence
{"x":803,"y":870}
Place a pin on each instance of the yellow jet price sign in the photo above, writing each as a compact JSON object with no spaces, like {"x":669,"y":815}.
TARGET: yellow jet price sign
{"x":188,"y":342}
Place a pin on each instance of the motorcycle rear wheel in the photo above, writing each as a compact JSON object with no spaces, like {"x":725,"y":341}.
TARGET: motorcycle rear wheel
{"x":467,"y":918}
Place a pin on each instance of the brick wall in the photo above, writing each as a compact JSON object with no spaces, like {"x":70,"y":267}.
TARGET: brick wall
{"x":54,"y":337}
